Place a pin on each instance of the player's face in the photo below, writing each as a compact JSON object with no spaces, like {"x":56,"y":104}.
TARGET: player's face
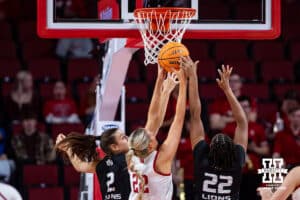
{"x":121,"y":141}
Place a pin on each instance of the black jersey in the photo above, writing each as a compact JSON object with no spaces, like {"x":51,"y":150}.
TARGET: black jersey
{"x":113,"y":177}
{"x":217,"y":184}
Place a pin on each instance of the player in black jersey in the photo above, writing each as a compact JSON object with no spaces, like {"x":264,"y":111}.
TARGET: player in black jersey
{"x":112,"y":170}
{"x":218,"y":165}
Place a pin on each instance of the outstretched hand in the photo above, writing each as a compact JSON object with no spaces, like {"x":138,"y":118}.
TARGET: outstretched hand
{"x":189,"y":67}
{"x":223,"y":81}
{"x":170,"y":82}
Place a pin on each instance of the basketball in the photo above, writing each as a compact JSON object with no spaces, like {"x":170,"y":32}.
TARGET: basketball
{"x":169,"y":55}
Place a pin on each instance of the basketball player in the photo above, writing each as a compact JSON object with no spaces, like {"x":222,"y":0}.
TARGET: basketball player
{"x":218,"y":166}
{"x":290,"y":183}
{"x":112,"y":169}
{"x":150,"y":168}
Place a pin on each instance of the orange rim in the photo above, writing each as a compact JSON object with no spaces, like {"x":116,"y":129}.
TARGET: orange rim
{"x":167,"y":11}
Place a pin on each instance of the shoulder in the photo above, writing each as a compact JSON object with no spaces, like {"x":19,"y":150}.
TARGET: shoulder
{"x":201,"y":147}
{"x":120,"y":158}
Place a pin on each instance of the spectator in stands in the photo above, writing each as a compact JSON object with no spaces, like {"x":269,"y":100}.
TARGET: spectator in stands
{"x":220,"y":113}
{"x":7,"y":166}
{"x":289,"y":101}
{"x":22,"y":98}
{"x":60,"y":109}
{"x":74,"y":48}
{"x":32,"y":146}
{"x":88,"y":103}
{"x":257,"y":149}
{"x":287,"y":142}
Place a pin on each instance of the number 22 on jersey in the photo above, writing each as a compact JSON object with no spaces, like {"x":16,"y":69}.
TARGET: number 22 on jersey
{"x":137,"y":185}
{"x":217,"y":184}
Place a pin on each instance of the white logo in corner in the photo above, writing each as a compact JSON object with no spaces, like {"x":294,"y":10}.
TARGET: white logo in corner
{"x":272,"y":170}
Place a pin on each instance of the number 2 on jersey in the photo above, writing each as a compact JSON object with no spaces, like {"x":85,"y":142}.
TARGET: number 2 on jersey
{"x":110,"y":181}
{"x":137,"y":185}
{"x":215,"y":184}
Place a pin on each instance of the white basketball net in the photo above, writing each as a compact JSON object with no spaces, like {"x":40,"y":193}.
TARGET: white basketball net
{"x":156,"y":32}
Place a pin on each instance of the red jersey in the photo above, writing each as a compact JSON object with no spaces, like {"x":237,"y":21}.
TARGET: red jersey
{"x":256,"y":134}
{"x":185,"y":155}
{"x":288,"y":146}
{"x":60,"y":108}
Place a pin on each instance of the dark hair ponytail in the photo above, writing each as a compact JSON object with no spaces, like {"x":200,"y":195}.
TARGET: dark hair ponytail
{"x":84,"y":146}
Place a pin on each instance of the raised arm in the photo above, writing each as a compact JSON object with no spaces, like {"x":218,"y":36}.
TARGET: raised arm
{"x":160,"y":98}
{"x":196,"y":130}
{"x":241,"y":131}
{"x":78,"y":164}
{"x":168,"y":149}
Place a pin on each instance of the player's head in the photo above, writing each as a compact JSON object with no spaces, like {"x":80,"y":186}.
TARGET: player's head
{"x":112,"y":141}
{"x":141,"y":142}
{"x":221,"y":153}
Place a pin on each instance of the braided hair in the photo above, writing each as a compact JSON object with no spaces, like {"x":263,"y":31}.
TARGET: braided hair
{"x":222,"y":152}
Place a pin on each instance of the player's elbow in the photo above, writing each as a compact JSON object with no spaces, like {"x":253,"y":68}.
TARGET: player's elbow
{"x":195,"y":114}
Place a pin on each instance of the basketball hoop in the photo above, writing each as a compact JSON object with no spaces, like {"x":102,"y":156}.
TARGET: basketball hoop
{"x":159,"y":26}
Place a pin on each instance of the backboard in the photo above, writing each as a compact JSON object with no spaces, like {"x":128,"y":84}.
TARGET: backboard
{"x":238,"y":19}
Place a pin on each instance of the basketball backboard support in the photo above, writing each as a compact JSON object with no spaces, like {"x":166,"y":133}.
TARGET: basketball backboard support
{"x":117,"y":22}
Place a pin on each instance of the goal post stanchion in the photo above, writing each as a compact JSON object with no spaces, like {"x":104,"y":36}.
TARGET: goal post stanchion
{"x":108,"y":94}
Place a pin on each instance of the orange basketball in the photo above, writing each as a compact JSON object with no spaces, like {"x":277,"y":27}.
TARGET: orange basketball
{"x":169,"y":55}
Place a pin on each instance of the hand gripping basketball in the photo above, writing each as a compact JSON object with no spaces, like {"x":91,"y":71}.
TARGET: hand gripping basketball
{"x":170,"y":54}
